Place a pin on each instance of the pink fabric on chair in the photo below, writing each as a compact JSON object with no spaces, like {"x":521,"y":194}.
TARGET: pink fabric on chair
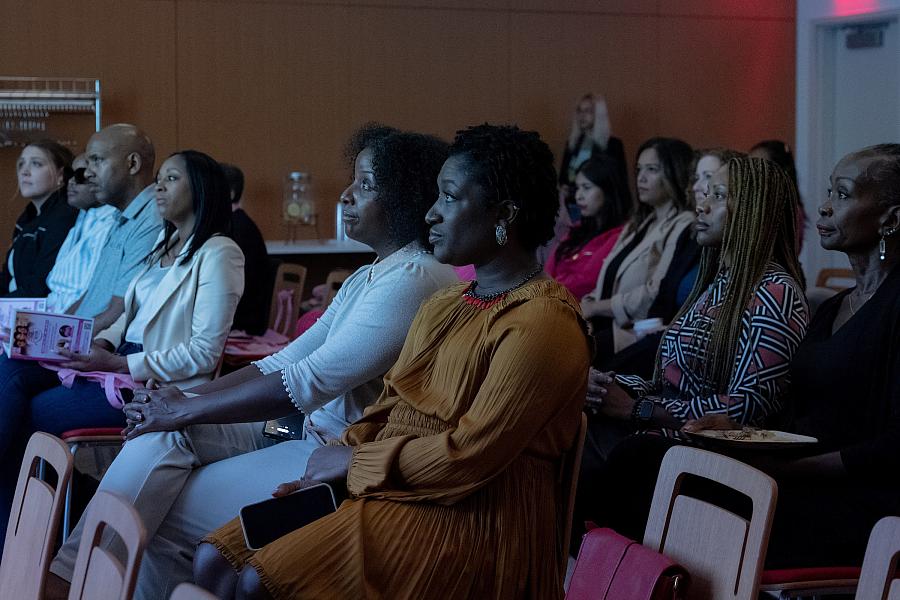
{"x":239,"y":344}
{"x":307,"y":320}
{"x":112,"y":383}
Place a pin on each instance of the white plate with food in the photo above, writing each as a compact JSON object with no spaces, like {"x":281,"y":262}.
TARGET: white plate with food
{"x":750,"y":437}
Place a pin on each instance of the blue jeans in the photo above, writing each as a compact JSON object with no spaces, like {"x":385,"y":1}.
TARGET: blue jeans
{"x":31,"y":399}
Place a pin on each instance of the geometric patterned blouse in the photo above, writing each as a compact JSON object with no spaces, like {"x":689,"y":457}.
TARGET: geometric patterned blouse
{"x":771,"y":329}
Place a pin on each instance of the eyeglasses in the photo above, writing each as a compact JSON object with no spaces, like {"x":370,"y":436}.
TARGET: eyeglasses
{"x":76,"y":174}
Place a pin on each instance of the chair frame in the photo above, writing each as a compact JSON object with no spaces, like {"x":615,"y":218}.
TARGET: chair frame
{"x":825,"y":275}
{"x":759,"y":487}
{"x":570,"y":469}
{"x":877,"y":580}
{"x":333,"y":283}
{"x":116,"y":512}
{"x":287,"y":271}
{"x":27,"y":555}
{"x":77,"y":439}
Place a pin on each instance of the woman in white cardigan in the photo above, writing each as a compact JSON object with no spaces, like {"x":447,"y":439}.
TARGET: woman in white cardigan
{"x":632,"y":273}
{"x":193,"y":459}
{"x":178,"y":310}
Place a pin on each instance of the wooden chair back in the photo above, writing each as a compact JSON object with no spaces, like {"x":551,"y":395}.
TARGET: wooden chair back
{"x":333,"y":283}
{"x":34,"y":519}
{"x":568,"y":481}
{"x":189,"y":591}
{"x":723,"y":552}
{"x":894,"y":592}
{"x":877,"y":580}
{"x":98,"y":574}
{"x":286,"y":296}
{"x":835,"y":279}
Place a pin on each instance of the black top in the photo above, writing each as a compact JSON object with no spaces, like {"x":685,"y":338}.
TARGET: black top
{"x":846,"y":386}
{"x":252,"y":312}
{"x":37,"y":239}
{"x":614,"y":149}
{"x":686,"y":257}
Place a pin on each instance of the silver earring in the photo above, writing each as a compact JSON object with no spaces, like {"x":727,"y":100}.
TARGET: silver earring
{"x":882,"y":249}
{"x":500,"y":233}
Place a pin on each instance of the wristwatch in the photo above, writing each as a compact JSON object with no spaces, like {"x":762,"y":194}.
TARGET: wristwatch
{"x":642,"y":412}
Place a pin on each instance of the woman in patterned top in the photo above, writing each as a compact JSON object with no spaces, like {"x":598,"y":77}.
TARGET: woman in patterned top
{"x":729,"y":349}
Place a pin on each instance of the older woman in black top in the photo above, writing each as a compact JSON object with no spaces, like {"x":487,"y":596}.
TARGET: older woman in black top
{"x":43,"y":225}
{"x":846,"y":380}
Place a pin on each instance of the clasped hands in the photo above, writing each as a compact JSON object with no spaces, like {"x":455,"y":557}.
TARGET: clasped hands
{"x":155,"y":408}
{"x":606,"y":397}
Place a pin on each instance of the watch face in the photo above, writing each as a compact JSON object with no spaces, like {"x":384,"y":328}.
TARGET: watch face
{"x":645,"y":411}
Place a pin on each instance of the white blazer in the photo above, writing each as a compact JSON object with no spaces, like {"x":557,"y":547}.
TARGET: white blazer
{"x":193,"y":308}
{"x":636,"y":283}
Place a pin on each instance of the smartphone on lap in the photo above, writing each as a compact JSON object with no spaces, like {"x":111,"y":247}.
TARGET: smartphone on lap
{"x":266,"y":521}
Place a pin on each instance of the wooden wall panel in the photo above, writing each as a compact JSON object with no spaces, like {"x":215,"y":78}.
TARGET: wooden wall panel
{"x":731,"y":94}
{"x":129,"y":46}
{"x":609,"y":55}
{"x":264,"y":86}
{"x":276,"y":85}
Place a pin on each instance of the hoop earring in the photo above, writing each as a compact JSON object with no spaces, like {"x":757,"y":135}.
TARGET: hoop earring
{"x":500,"y":234}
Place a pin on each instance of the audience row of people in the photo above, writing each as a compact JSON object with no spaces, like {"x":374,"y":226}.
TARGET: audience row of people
{"x":445,"y":408}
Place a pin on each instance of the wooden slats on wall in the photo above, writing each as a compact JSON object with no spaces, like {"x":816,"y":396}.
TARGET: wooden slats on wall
{"x":279,"y":85}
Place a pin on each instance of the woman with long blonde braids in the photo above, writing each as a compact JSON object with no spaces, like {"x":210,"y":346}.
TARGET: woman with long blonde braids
{"x":729,"y":349}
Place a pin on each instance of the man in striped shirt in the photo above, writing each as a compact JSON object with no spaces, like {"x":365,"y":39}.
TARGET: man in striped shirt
{"x":80,"y":252}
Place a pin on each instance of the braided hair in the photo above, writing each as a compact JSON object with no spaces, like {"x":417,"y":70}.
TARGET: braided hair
{"x":516,"y":166}
{"x":603,"y":172}
{"x":675,"y":157}
{"x":762,"y":206}
{"x":406,"y":166}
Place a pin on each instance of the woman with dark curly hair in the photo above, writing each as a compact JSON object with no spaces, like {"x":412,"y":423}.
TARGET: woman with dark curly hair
{"x":604,"y":203}
{"x":453,"y":473}
{"x":186,"y":472}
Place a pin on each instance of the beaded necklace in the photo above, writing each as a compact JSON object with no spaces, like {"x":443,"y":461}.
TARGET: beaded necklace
{"x":486,"y":300}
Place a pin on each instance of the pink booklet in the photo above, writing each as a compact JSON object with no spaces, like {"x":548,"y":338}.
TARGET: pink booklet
{"x":8,"y":307}
{"x":41,"y":335}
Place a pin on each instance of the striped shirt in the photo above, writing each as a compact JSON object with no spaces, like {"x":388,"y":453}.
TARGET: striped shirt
{"x":772,"y":328}
{"x":78,"y":257}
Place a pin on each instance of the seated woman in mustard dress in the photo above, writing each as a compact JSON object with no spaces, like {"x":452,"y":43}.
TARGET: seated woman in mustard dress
{"x":452,"y":474}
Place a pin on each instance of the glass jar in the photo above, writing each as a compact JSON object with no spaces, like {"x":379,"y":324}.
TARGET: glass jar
{"x":298,"y":207}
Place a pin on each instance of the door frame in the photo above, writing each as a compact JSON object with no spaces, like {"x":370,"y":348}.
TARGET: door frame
{"x":813,"y":142}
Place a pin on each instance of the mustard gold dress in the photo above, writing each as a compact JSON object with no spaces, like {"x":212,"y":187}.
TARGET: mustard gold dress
{"x":454,"y":476}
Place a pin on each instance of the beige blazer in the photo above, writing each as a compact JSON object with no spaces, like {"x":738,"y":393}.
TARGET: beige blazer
{"x":637,"y":281}
{"x":193,"y":310}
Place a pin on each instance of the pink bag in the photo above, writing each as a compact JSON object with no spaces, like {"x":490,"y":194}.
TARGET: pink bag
{"x":613,"y":567}
{"x":112,"y":383}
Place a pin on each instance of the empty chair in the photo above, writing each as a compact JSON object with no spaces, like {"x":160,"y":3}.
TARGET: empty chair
{"x":34,"y":519}
{"x":333,"y":283}
{"x":98,"y":574}
{"x":286,"y":295}
{"x":835,"y":279}
{"x":878,"y":579}
{"x":723,"y":551}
